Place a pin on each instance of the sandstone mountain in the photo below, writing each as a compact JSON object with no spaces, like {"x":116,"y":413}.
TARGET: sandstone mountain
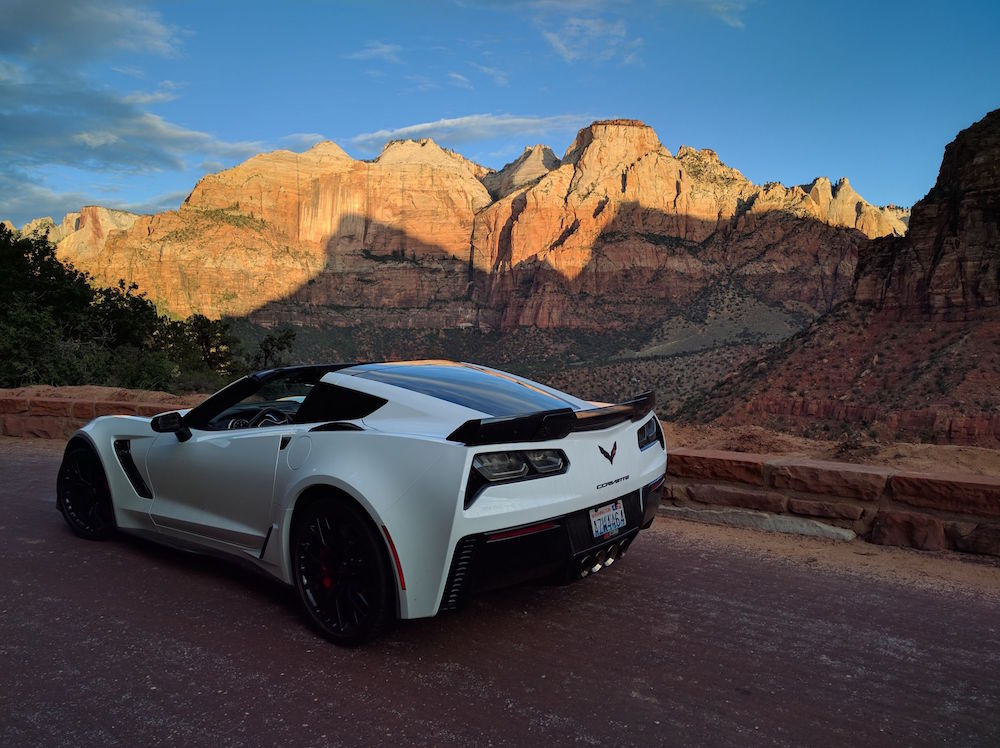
{"x":530,"y":166}
{"x":916,"y":350}
{"x":617,"y":233}
{"x":83,"y":231}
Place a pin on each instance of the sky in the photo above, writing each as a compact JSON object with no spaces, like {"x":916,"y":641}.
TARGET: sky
{"x":127,"y":104}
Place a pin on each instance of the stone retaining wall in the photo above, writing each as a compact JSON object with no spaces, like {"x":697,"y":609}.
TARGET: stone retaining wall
{"x":927,"y":511}
{"x":58,"y":418}
{"x":882,"y":505}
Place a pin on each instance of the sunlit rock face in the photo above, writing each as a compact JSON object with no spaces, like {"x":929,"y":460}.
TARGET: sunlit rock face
{"x":617,"y":230}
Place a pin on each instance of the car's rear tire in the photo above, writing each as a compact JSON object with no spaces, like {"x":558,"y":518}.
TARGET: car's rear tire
{"x":83,"y":495}
{"x":342,"y":573}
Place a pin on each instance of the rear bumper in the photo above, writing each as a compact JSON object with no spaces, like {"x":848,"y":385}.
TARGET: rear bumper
{"x":560,"y":548}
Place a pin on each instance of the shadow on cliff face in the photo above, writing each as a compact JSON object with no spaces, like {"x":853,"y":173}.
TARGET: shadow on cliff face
{"x":916,"y":352}
{"x":643,"y":268}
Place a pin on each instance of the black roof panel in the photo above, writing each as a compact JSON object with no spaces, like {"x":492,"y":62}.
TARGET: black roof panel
{"x":490,"y":392}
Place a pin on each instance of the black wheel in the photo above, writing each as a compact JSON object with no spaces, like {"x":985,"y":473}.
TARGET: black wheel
{"x":341,"y":572}
{"x":83,"y":495}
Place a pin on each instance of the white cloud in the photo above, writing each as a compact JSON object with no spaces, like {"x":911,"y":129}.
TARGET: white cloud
{"x":727,"y":11}
{"x":420,"y":83}
{"x":459,"y":80}
{"x":54,"y":117}
{"x":71,"y":30}
{"x":472,"y":128}
{"x":22,"y":200}
{"x":156,"y":204}
{"x":377,"y":50}
{"x":166,"y":91}
{"x":96,"y":139}
{"x":557,"y":44}
{"x":303,"y":141}
{"x":593,"y":30}
{"x":593,"y":39}
{"x":499,"y":76}
{"x":566,"y":6}
{"x":132,"y":71}
{"x":10,"y":73}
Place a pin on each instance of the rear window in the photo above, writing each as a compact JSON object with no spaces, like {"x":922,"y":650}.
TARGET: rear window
{"x":493,"y":394}
{"x":328,"y":402}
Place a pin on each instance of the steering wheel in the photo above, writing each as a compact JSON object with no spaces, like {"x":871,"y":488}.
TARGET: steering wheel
{"x":270,"y":416}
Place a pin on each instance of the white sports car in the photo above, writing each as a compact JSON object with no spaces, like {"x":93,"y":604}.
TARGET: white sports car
{"x":378,"y":490}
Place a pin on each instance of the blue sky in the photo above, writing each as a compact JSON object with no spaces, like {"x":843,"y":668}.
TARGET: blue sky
{"x":127,"y":104}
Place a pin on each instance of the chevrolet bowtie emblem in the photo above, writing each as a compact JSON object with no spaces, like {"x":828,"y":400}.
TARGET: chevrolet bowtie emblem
{"x":610,"y":455}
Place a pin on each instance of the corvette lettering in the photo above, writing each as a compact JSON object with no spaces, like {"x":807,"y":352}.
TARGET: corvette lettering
{"x":612,"y":482}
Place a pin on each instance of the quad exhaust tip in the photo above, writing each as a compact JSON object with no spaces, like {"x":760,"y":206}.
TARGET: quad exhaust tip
{"x":603,"y":558}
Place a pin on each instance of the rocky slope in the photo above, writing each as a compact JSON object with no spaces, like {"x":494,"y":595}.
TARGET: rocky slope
{"x":916,"y":350}
{"x":949,"y":265}
{"x":618,"y":232}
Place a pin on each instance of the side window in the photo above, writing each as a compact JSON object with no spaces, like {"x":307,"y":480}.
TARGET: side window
{"x":331,"y":402}
{"x":274,"y":404}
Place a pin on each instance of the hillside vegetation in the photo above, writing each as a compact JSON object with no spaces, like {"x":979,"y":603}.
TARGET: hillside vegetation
{"x":57,"y":328}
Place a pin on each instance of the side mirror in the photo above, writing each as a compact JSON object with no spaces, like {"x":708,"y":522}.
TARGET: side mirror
{"x":171,"y":423}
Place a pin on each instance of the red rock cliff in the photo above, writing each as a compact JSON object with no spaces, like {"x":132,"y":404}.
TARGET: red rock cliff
{"x":616,"y":231}
{"x":916,"y":352}
{"x":949,"y":262}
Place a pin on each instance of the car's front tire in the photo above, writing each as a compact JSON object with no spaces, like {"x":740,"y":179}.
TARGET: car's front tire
{"x":83,"y":495}
{"x":342,"y":574}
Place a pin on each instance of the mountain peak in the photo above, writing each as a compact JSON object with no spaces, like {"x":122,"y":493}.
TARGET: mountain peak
{"x":842,"y":185}
{"x":628,"y":138}
{"x":949,"y":264}
{"x":327,"y":148}
{"x":420,"y":148}
{"x":535,"y":162}
{"x":426,"y":151}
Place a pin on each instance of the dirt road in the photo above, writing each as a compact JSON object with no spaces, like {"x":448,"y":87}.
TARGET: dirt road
{"x":701,"y":636}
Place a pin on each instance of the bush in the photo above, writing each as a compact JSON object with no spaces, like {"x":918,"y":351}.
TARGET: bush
{"x":57,"y":328}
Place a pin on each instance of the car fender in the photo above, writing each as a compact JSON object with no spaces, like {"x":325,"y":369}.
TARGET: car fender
{"x":131,"y":510}
{"x":414,"y":502}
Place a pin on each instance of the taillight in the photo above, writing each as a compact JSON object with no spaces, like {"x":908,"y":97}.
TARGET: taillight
{"x":650,"y":432}
{"x":511,"y":467}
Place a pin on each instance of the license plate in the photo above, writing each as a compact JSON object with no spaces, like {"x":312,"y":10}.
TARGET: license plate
{"x":606,"y":521}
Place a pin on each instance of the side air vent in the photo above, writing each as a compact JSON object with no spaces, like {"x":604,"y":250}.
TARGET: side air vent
{"x":123,"y":448}
{"x":458,"y":577}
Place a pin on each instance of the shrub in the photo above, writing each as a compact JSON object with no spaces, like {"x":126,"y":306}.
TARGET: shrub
{"x":57,"y":328}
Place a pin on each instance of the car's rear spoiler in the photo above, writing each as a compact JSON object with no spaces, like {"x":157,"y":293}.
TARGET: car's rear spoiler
{"x":550,"y":424}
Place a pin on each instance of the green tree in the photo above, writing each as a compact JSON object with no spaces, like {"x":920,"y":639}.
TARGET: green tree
{"x":272,"y":348}
{"x":57,"y":328}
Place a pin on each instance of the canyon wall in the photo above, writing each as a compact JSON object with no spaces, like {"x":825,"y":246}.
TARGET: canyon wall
{"x":618,"y":230}
{"x":915,"y":351}
{"x":949,"y":263}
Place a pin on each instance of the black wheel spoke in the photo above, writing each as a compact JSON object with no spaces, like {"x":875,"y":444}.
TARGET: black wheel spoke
{"x":359,"y":604}
{"x":84,"y":495}
{"x":320,"y":521}
{"x":343,"y":580}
